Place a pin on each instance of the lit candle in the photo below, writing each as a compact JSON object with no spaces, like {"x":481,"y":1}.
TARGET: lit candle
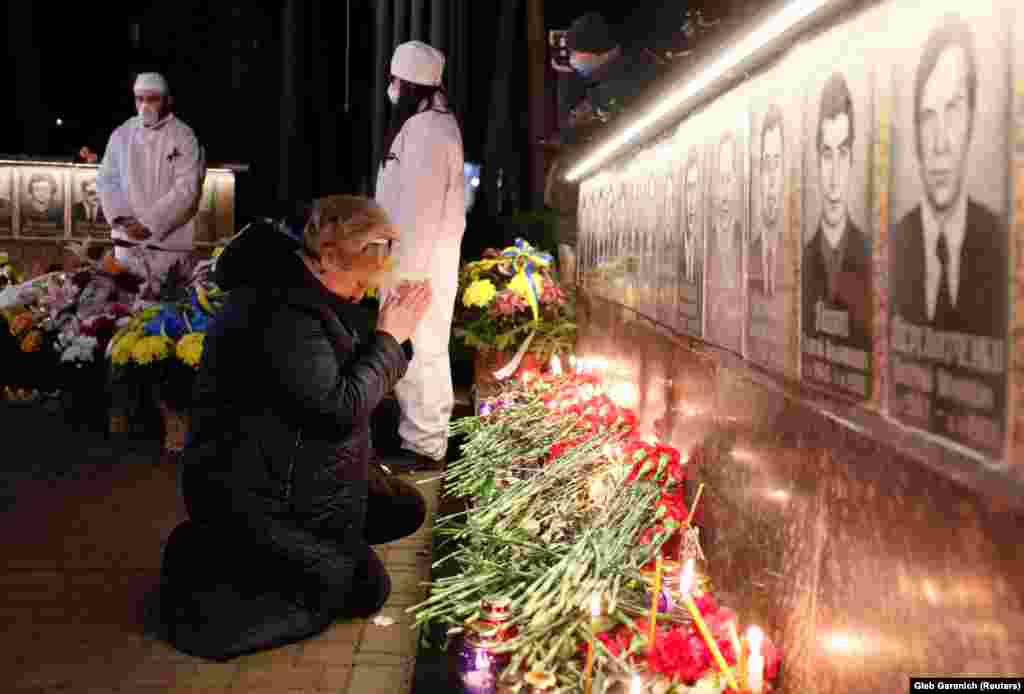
{"x":693,"y":509}
{"x":555,"y":366}
{"x":737,"y":647}
{"x":572,"y":364}
{"x":755,"y":663}
{"x":652,"y":628}
{"x":595,"y":612}
{"x":686,"y":581}
{"x":526,"y":378}
{"x":479,"y":680}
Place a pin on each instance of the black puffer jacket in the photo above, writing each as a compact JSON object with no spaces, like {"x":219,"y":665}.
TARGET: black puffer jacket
{"x":286,"y":387}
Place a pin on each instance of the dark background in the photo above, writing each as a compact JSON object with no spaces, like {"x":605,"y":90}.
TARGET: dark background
{"x":263,"y":84}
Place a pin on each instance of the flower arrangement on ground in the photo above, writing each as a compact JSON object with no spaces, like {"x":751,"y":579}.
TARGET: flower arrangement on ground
{"x":571,"y":510}
{"x":508,"y":296}
{"x":161,"y":343}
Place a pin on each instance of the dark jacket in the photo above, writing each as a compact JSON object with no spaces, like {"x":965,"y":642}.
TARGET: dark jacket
{"x":852,"y":292}
{"x":981,"y":307}
{"x":287,"y":383}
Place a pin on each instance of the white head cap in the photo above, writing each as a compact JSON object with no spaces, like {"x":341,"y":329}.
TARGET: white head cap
{"x":419,"y":63}
{"x":151,"y":82}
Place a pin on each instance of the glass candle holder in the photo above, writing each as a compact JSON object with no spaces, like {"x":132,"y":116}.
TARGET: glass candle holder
{"x":478,"y":666}
{"x":668,"y":600}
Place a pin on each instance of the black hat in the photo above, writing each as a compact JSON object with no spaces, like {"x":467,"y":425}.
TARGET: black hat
{"x":589,"y":33}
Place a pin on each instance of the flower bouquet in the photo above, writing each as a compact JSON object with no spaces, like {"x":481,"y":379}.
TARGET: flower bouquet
{"x":158,"y":347}
{"x":510,"y":300}
{"x":576,"y":506}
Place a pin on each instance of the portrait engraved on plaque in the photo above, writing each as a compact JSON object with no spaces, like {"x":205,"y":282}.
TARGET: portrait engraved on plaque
{"x":42,"y":202}
{"x":727,"y":220}
{"x":690,"y":258}
{"x":949,"y":280}
{"x":836,"y":270}
{"x":774,"y":168}
{"x":6,"y":201}
{"x":87,"y":218}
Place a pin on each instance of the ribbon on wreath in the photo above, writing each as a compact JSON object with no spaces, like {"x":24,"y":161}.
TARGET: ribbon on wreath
{"x":526,"y":259}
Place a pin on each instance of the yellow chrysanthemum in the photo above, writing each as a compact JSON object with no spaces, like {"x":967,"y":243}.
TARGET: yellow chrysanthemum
{"x":521,"y":286}
{"x":479,"y":293}
{"x":151,"y":348}
{"x":190,"y":348}
{"x":121,"y":353}
{"x":32,"y":342}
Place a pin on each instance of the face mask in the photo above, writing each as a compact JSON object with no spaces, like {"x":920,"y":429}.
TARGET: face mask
{"x":393,"y":93}
{"x":582,"y":67}
{"x":149,"y":115}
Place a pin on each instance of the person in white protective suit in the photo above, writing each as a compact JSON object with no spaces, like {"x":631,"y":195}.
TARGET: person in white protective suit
{"x":420,"y":184}
{"x":150,"y":181}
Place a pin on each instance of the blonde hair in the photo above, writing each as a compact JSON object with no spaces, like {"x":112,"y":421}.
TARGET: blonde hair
{"x":335,"y":219}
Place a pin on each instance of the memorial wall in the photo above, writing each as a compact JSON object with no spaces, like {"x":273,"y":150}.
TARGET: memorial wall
{"x":818,"y":276}
{"x":43,"y":205}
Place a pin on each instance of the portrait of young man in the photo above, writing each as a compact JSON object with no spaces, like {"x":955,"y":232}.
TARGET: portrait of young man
{"x":837,"y":269}
{"x":774,"y":156}
{"x":949,"y":279}
{"x":768,"y":225}
{"x":691,"y":247}
{"x":725,"y":243}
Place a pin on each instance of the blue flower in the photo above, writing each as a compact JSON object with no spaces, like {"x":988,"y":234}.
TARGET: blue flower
{"x":167,"y":322}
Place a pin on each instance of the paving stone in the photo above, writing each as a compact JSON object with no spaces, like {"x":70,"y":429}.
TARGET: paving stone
{"x":334,"y":653}
{"x":343,"y":631}
{"x":214,"y":676}
{"x":87,"y":554}
{"x":279,"y":677}
{"x":380,"y":679}
{"x":336,"y":679}
{"x":399,"y":638}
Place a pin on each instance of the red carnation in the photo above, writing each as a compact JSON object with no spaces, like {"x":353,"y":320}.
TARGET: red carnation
{"x":674,"y":506}
{"x":681,"y":655}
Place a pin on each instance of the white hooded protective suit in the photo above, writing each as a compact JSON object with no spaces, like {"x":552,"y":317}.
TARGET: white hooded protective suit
{"x":422,"y":189}
{"x":156,"y":176}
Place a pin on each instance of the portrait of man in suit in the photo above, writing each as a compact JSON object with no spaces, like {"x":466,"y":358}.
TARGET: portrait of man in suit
{"x":724,"y":218}
{"x":725,"y":292}
{"x":767,"y":245}
{"x":88,"y":211}
{"x":693,"y":224}
{"x":837,"y":259}
{"x":41,"y":203}
{"x":950,"y":265}
{"x":951,"y":249}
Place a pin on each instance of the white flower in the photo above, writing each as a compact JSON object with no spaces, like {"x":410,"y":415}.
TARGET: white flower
{"x":81,"y":349}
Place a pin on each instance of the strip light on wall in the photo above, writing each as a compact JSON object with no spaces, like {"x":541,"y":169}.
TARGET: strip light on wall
{"x":794,"y":12}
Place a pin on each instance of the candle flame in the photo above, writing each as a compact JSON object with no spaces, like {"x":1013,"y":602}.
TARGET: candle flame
{"x":572,"y":363}
{"x":624,"y":394}
{"x":595,"y":605}
{"x":637,"y":686}
{"x":526,"y":377}
{"x":556,"y":366}
{"x":686,"y":577}
{"x":754,"y":637}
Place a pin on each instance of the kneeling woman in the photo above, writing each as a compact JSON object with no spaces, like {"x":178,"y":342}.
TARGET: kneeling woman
{"x":276,"y":477}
